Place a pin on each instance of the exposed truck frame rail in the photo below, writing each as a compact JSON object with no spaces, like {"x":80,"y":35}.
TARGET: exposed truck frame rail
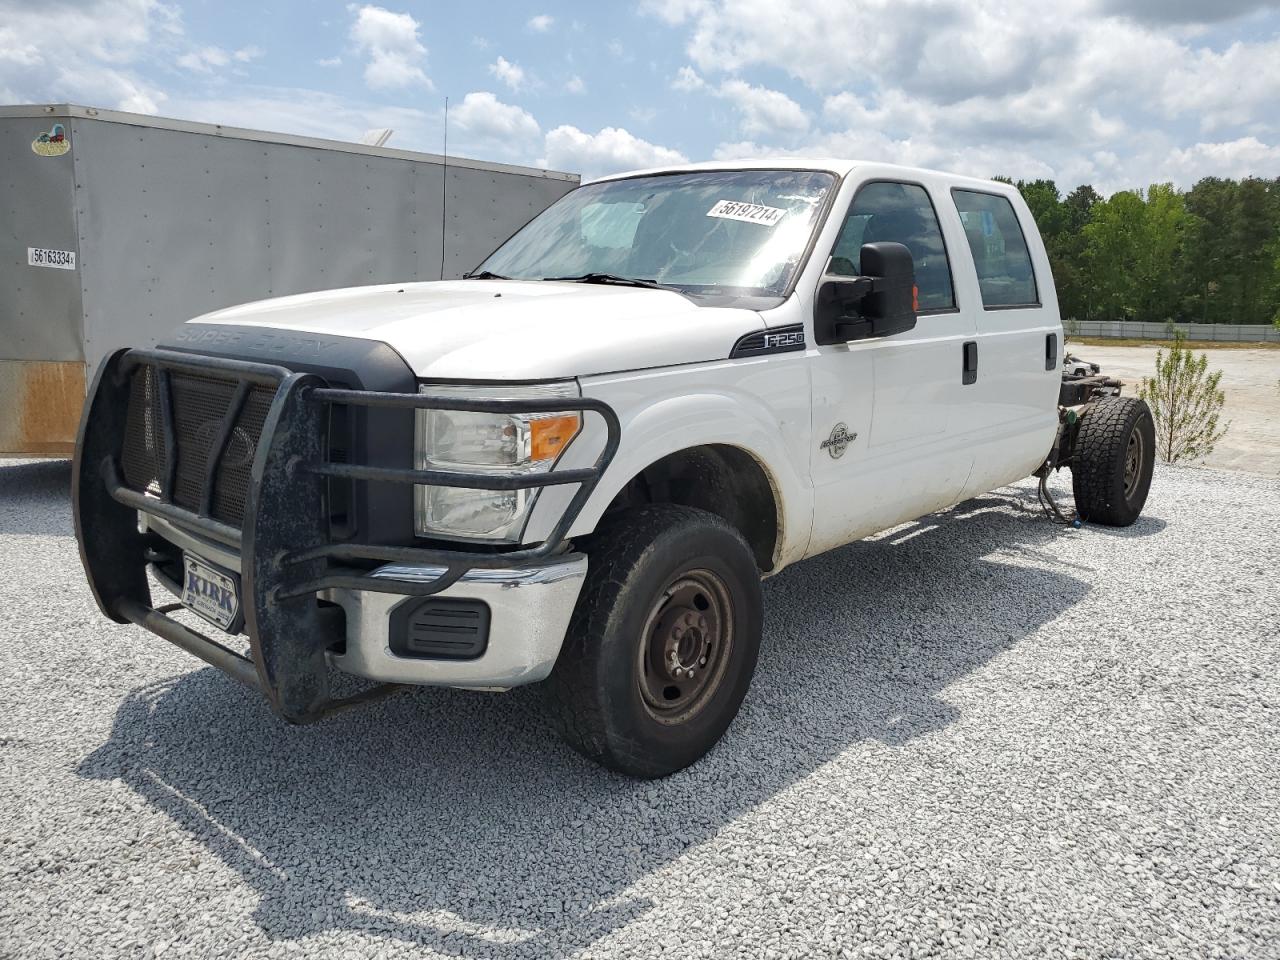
{"x":286,"y":553}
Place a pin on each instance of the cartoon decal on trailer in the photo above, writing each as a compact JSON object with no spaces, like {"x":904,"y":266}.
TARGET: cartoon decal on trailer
{"x":51,"y":144}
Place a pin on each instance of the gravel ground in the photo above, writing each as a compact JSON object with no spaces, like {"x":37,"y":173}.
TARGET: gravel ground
{"x":977,"y":735}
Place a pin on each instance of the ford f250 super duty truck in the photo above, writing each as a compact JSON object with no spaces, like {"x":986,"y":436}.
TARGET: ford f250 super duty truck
{"x":575,"y":467}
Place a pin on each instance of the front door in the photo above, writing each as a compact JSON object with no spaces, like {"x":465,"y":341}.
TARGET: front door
{"x":889,"y":412}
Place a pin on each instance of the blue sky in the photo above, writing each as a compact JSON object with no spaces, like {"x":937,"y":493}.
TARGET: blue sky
{"x":1115,"y":92}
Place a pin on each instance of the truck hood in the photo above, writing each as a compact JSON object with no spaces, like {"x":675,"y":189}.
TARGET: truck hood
{"x":509,"y":329}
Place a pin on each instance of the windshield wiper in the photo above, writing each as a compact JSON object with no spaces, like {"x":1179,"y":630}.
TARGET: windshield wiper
{"x":484,"y":275}
{"x":614,"y":278}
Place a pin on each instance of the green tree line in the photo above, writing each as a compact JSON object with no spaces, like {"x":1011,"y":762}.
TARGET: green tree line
{"x":1210,"y":254}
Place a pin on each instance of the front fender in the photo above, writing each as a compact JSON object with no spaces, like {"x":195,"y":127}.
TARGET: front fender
{"x":760,"y":407}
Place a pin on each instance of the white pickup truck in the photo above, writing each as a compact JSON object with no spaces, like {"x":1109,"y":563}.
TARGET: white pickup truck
{"x":575,"y":466}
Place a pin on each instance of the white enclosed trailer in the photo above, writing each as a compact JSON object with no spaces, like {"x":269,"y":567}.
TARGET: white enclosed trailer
{"x":117,"y":227}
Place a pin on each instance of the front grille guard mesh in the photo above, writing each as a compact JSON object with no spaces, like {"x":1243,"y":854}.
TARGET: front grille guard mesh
{"x":179,"y":464}
{"x":209,"y":488}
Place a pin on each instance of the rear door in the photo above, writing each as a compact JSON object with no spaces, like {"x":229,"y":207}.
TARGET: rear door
{"x":1012,"y":405}
{"x":888,"y":412}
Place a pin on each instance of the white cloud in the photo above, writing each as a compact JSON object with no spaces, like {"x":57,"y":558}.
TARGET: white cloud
{"x":764,"y":111}
{"x":87,"y":52}
{"x":1090,"y":89}
{"x":390,"y":43}
{"x":329,"y":62}
{"x":675,"y":11}
{"x":512,"y":74}
{"x":311,"y":113}
{"x":205,"y":59}
{"x":1247,"y":156}
{"x":541,"y":23}
{"x":609,"y":151}
{"x":746,"y":150}
{"x":575,"y":85}
{"x":209,"y":59}
{"x":485,"y":117}
{"x":619,"y":52}
{"x":1227,"y":88}
{"x":687,"y":80}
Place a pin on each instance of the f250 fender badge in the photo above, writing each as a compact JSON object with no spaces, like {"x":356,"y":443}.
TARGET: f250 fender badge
{"x":839,"y":441}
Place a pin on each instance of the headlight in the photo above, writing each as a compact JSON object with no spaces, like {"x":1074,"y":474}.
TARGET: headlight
{"x":487,"y":443}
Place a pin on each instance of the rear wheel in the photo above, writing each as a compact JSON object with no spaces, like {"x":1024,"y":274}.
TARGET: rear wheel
{"x":663,"y":642}
{"x":1114,"y":456}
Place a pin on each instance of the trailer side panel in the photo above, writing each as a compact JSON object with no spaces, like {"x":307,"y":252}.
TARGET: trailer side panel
{"x":168,"y":220}
{"x":41,"y":322}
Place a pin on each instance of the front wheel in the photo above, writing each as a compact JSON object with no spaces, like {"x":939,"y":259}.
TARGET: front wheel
{"x":663,"y":641}
{"x":1114,"y":456}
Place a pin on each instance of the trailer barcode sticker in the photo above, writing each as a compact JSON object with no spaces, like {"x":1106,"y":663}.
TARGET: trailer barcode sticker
{"x":750,"y":212}
{"x":58,"y":259}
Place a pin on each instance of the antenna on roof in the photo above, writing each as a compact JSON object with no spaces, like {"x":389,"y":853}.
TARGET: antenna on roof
{"x":444,"y":188}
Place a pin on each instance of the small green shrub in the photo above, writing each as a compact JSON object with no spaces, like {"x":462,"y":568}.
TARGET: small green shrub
{"x":1186,"y":403}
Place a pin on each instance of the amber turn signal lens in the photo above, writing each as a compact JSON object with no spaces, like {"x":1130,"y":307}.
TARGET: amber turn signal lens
{"x":550,"y":435}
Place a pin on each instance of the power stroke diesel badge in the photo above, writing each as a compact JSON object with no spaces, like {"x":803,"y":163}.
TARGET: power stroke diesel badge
{"x":838,"y":442}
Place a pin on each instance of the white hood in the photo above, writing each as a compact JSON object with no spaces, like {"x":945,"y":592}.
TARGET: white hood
{"x":511,"y":330}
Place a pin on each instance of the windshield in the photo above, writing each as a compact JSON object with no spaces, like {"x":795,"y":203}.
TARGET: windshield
{"x":737,"y":232}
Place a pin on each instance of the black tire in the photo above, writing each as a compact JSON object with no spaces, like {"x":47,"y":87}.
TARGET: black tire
{"x":656,"y":573}
{"x":1115,"y":453}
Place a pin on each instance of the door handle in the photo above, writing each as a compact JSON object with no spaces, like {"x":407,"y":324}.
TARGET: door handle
{"x":970,"y":373}
{"x":1050,"y":351}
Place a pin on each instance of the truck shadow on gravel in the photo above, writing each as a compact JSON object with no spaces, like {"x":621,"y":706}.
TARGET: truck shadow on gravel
{"x":457,"y":821}
{"x":35,"y":498}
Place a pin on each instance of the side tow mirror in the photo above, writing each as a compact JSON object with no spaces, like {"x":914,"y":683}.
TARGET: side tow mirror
{"x":880,"y":303}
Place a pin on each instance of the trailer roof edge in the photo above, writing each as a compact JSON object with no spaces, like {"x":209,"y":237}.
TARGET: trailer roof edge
{"x":71,"y":110}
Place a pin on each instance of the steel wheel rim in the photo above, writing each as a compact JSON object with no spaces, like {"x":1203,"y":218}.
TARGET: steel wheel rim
{"x":685,"y":646}
{"x":1132,"y":462}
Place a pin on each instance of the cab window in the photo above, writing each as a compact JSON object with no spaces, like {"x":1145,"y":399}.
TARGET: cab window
{"x":901,"y":213}
{"x":999,"y":249}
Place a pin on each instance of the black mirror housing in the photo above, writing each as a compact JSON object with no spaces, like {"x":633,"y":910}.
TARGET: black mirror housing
{"x":880,"y":303}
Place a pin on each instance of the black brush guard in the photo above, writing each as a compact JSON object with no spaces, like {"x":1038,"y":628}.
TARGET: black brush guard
{"x":285,"y":553}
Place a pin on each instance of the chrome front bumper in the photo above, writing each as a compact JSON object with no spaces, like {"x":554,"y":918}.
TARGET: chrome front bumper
{"x":529,"y":610}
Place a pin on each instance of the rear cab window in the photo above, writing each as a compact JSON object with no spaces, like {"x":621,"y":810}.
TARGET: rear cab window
{"x":1006,"y":277}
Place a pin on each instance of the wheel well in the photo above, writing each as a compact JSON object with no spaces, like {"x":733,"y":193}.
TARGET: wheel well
{"x":718,"y":478}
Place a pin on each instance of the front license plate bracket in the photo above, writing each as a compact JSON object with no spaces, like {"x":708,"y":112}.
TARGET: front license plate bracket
{"x":212,"y":593}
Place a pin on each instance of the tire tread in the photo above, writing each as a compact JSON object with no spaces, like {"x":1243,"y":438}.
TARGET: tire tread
{"x":614,"y":550}
{"x":1099,"y":457}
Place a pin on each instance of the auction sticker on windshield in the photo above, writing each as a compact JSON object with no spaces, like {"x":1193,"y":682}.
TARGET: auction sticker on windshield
{"x":748,"y":212}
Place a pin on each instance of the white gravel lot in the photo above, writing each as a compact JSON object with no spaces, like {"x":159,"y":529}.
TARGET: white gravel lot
{"x":980,"y":735}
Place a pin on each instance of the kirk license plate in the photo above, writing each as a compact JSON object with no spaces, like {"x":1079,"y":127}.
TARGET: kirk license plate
{"x":213,"y":594}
